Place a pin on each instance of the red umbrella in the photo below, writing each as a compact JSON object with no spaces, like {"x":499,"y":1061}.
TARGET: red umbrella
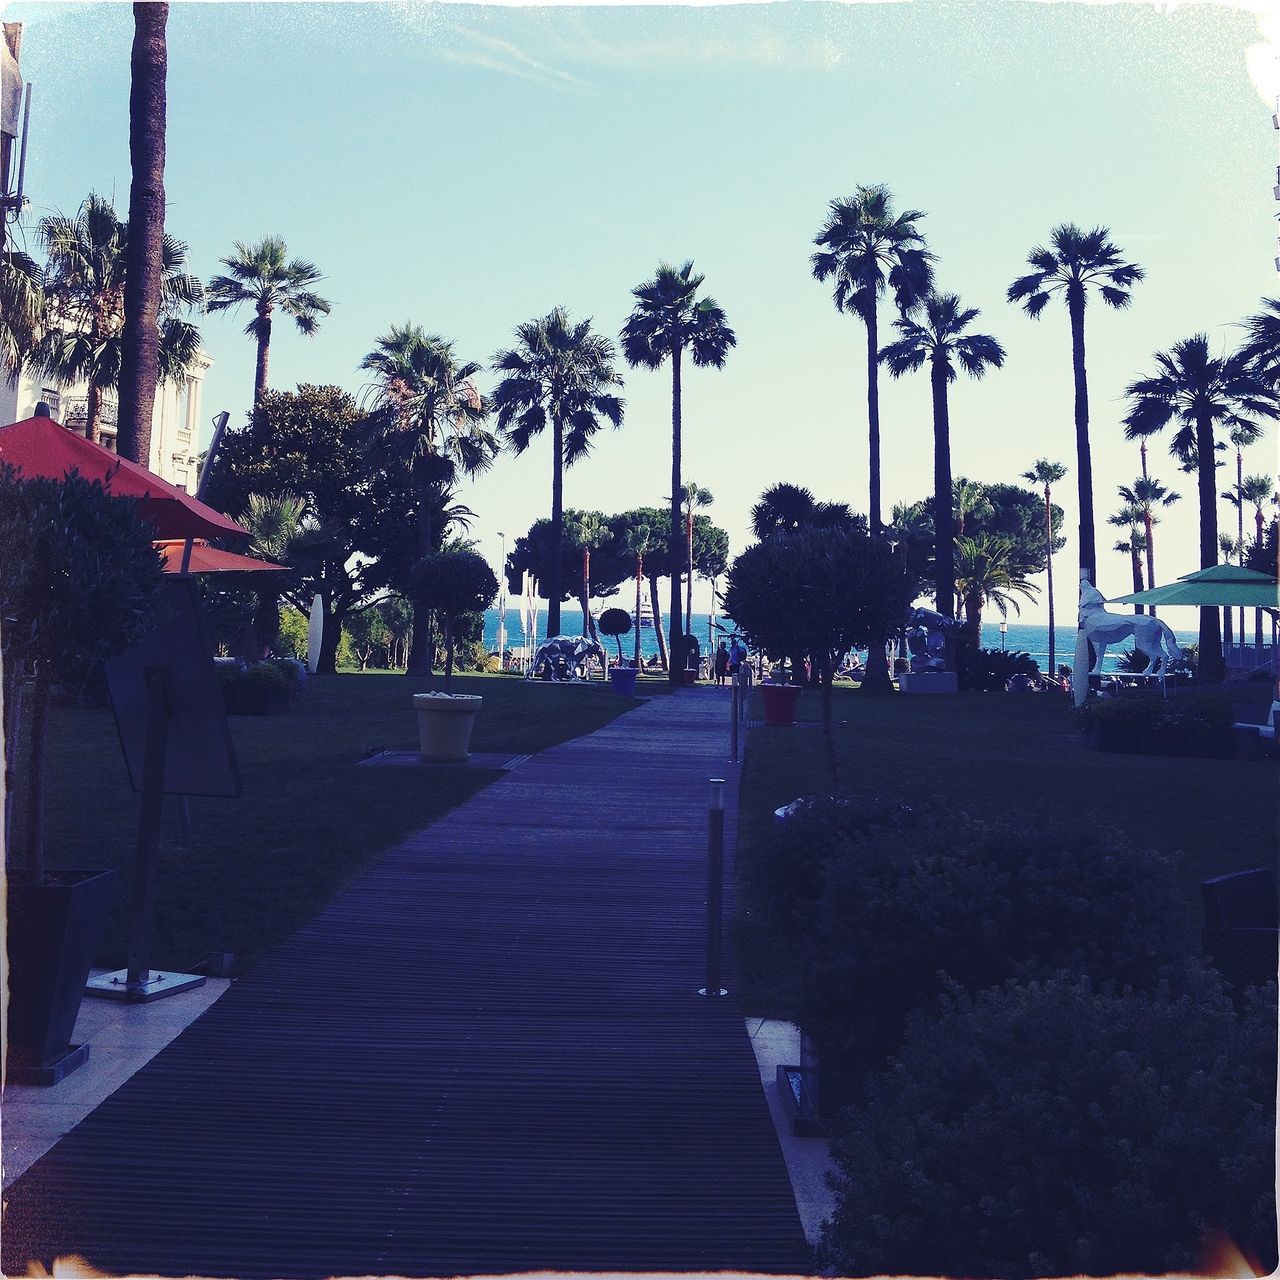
{"x":207,"y":559}
{"x":43,"y":447}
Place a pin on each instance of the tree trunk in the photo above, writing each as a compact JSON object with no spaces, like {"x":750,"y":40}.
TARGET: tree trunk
{"x":1135,"y":565}
{"x":944,"y":582}
{"x":674,"y":621}
{"x":664,"y":655}
{"x":639,"y":581}
{"x":266,"y":619}
{"x":140,"y":338}
{"x":1048,"y":536}
{"x":448,"y":653}
{"x":330,"y":638}
{"x":554,"y":586}
{"x":35,"y":772}
{"x":1084,"y":457}
{"x":92,"y":411}
{"x":873,"y":420}
{"x":1240,"y":527}
{"x":1210,"y":668}
{"x":973,"y":612}
{"x":264,"y":353}
{"x":418,"y":662}
{"x":1227,"y":638}
{"x":1257,"y":613}
{"x":1150,"y":530}
{"x":688,"y":591}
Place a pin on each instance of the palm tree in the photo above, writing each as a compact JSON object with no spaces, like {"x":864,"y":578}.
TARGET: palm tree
{"x":430,"y":417}
{"x":1256,"y":490}
{"x":1048,"y":474}
{"x":1229,"y":547}
{"x":262,"y":276}
{"x":1129,"y":518}
{"x":637,"y":540}
{"x":1199,"y":393}
{"x":968,"y":498}
{"x":1077,"y":262}
{"x":85,"y":287}
{"x":667,"y":318}
{"x":139,"y":345}
{"x":1147,"y":494}
{"x":938,"y":336}
{"x":987,"y":574}
{"x":587,"y":530}
{"x":1239,"y":437}
{"x":22,"y":307}
{"x":274,"y":522}
{"x":694,"y":496}
{"x":867,"y":251}
{"x":1262,"y":347}
{"x":560,"y":373}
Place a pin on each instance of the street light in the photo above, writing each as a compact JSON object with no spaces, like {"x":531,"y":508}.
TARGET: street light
{"x":502,"y":605}
{"x":1004,"y":631}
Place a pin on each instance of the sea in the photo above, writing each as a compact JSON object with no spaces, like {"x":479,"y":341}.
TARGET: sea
{"x":1023,"y":637}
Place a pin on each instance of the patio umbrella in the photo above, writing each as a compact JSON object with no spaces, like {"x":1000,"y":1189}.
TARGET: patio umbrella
{"x":41,"y":447}
{"x":1222,"y":584}
{"x":207,"y":559}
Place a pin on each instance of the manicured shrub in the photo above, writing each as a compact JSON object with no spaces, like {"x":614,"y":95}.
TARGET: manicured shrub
{"x":1151,"y":725}
{"x":875,"y":903}
{"x":990,"y":670}
{"x":1055,"y":1129}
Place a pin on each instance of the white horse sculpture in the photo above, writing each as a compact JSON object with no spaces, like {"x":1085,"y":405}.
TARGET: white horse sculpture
{"x":1100,"y":628}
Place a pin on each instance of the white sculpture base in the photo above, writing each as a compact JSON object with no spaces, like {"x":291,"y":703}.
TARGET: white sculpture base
{"x":928,"y":682}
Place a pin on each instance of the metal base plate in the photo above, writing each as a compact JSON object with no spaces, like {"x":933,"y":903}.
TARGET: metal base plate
{"x":115,"y":986}
{"x":49,"y":1072}
{"x":702,"y":991}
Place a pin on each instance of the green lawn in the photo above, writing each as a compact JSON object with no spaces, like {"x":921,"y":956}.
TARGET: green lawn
{"x":995,"y":753}
{"x":308,"y":820}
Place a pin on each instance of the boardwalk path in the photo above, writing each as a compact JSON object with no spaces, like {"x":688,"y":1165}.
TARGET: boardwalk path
{"x":485,"y":1056}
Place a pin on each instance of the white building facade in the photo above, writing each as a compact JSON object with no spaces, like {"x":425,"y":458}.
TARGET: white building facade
{"x":174,"y":422}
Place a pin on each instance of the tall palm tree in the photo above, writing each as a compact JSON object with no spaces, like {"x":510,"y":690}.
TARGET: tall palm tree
{"x":263,"y":276}
{"x":694,"y":496}
{"x":1262,"y":346}
{"x":559,"y":373}
{"x":1047,"y":473}
{"x":1257,"y":491}
{"x":85,"y":287}
{"x":1077,"y":262}
{"x":1147,"y":495}
{"x":968,"y":498}
{"x":1200,"y":393}
{"x":22,"y":308}
{"x":986,"y":573}
{"x":937,"y":336}
{"x":1129,"y":518}
{"x":868,"y":250}
{"x":1239,"y":438}
{"x":431,"y":419}
{"x":139,"y":345}
{"x":668,"y":318}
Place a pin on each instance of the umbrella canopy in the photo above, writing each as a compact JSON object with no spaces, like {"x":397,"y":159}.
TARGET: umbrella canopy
{"x":41,"y":447}
{"x":207,"y":559}
{"x":1221,"y":584}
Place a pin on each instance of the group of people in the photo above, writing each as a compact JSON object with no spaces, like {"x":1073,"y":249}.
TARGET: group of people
{"x":728,"y":660}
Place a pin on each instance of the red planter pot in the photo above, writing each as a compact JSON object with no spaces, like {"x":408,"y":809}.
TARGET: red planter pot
{"x":780,"y":703}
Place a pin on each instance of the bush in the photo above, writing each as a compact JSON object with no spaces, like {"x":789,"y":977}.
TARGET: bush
{"x":260,"y":688}
{"x":990,"y":670}
{"x":1054,"y":1129}
{"x":875,"y":903}
{"x":1149,"y":724}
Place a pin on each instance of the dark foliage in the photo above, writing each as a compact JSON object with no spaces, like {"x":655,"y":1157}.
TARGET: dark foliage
{"x":990,"y":670}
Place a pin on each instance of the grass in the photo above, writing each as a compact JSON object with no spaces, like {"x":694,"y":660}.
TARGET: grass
{"x":989,"y":753}
{"x":307,"y":821}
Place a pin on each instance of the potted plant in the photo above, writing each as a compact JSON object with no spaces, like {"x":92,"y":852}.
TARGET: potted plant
{"x":616,"y":623}
{"x":76,"y":581}
{"x":452,"y":583}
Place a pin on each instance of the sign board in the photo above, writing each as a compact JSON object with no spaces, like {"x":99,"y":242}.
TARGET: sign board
{"x":198,"y":756}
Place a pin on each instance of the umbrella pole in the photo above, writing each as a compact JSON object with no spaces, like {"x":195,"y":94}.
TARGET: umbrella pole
{"x":186,"y":556}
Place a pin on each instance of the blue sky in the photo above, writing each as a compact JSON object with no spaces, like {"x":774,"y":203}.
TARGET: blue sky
{"x":469,"y":167}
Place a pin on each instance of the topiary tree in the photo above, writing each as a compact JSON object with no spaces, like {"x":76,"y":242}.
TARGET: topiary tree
{"x":1054,"y":1129}
{"x":77,"y":578}
{"x":615,"y":623}
{"x":454,"y":583}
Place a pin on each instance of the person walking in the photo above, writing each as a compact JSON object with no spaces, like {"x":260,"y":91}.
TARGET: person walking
{"x":722,"y":663}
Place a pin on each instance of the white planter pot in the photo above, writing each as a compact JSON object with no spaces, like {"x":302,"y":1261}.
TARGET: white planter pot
{"x":445,"y":722}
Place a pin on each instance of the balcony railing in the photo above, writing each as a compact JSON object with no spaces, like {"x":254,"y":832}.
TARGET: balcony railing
{"x":75,"y":412}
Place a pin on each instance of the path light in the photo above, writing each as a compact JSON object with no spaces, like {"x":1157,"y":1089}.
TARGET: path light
{"x":1004,"y":631}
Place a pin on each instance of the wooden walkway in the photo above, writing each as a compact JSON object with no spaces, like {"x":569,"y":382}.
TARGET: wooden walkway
{"x":485,"y":1056}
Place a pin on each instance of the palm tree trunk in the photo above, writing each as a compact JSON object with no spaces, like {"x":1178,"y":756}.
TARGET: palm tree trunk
{"x":1227,"y":638}
{"x":1048,"y":542}
{"x":1135,"y":565}
{"x":639,"y":581}
{"x":1150,"y":530}
{"x":418,"y":662}
{"x":655,"y":607}
{"x":676,"y":648}
{"x":944,"y":581}
{"x":264,"y":354}
{"x":1210,"y":668}
{"x":92,"y":411}
{"x":1240,"y":526}
{"x":1084,"y":457}
{"x":1257,"y":613}
{"x":554,"y":586}
{"x":873,"y":419}
{"x":139,"y":340}
{"x":584,"y":589}
{"x":688,"y":591}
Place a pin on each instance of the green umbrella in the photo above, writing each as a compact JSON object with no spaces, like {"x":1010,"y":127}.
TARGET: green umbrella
{"x":1223,"y":584}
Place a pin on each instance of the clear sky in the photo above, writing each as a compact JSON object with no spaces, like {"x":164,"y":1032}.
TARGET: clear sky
{"x":469,"y":167}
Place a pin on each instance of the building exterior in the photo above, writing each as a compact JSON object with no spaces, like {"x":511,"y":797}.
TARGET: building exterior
{"x":174,"y":422}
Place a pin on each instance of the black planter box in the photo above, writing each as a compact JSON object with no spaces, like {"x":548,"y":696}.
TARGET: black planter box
{"x":242,"y":700}
{"x":54,"y":929}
